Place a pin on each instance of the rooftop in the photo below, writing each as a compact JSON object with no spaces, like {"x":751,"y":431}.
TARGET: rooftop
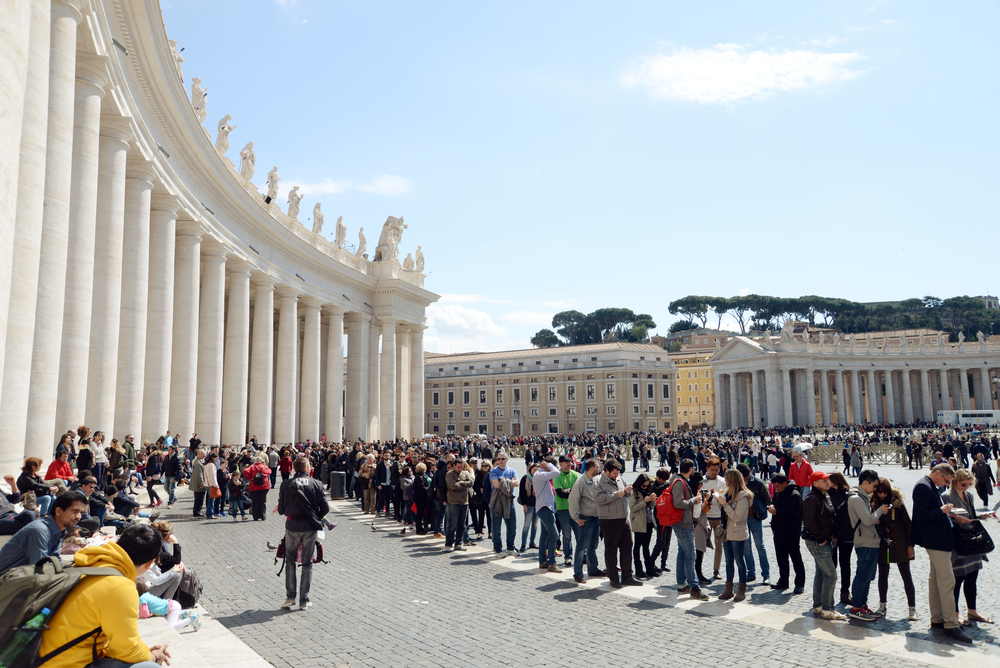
{"x":557,"y":351}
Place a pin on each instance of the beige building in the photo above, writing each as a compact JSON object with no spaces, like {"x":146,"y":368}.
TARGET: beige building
{"x":695,"y":389}
{"x":605,"y":387}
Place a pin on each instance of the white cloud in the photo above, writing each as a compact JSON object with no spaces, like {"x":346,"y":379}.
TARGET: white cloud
{"x":888,"y":21}
{"x":534,"y":318}
{"x":828,"y":42}
{"x":461,"y":299}
{"x":729,"y":73}
{"x":456,"y":320}
{"x":744,"y":292}
{"x":382,"y":184}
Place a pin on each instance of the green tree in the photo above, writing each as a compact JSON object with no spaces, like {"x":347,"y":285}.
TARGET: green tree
{"x":719,"y":306}
{"x":681,"y":326}
{"x":740,"y":306}
{"x":545,"y":338}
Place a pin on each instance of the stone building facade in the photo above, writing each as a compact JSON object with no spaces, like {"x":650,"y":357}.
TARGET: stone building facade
{"x":695,"y":389}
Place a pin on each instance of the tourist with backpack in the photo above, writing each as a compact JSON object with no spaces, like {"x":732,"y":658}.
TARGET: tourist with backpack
{"x":819,"y":531}
{"x":302,"y":501}
{"x":258,"y":475}
{"x":844,"y":552}
{"x":43,"y":537}
{"x":679,"y":516}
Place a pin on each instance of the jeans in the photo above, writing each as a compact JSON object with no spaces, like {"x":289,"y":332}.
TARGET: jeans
{"x":99,"y":471}
{"x":385,"y":497}
{"x":685,"y":556}
{"x":307,"y":539}
{"x":569,"y":532}
{"x":825,"y":580}
{"x":15,"y":523}
{"x":170,"y":487}
{"x":455,"y":518}
{"x":547,"y":539}
{"x":511,"y":521}
{"x":530,"y":523}
{"x":757,"y":536}
{"x":221,"y":502}
{"x":236,"y":505}
{"x":863,"y":576}
{"x":209,"y":502}
{"x":736,"y":553}
{"x":588,"y":537}
{"x":44,"y":502}
{"x":439,"y":508}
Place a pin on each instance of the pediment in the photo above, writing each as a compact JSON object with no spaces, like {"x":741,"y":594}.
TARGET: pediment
{"x":739,"y":348}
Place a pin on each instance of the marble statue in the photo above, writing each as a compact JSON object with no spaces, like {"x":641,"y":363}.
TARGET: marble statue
{"x":921,"y":340}
{"x":885,"y":343}
{"x":980,"y":337}
{"x":868,"y":339}
{"x":272,"y":183}
{"x":247,"y":160}
{"x":786,"y":335}
{"x":420,"y":260}
{"x":836,"y":339}
{"x":341,"y":235}
{"x":222,"y":140}
{"x":317,"y":220}
{"x":198,"y":95}
{"x":854,"y":339}
{"x":362,"y":242}
{"x":902,"y":342}
{"x":178,"y":58}
{"x":408,"y":262}
{"x":388,"y":241}
{"x":294,"y":198}
{"x":940,"y":341}
{"x":961,"y":336}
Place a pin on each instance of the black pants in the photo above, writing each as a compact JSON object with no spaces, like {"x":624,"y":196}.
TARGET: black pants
{"x":199,"y":501}
{"x":789,"y":549}
{"x":478,"y":518}
{"x":421,"y":515}
{"x":640,"y":548}
{"x":397,"y":503}
{"x":153,"y":496}
{"x":617,"y":544}
{"x":970,"y":589}
{"x":844,"y":551}
{"x":662,"y":546}
{"x":904,"y":572}
{"x":258,"y":504}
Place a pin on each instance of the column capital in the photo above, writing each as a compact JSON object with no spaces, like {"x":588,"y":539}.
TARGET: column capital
{"x":237,"y":265}
{"x":354,"y":316}
{"x":333,"y":309}
{"x":139,"y":170}
{"x":214,"y":249}
{"x":165,"y":202}
{"x":92,"y":70}
{"x":388,"y":322}
{"x":189,"y":228}
{"x":286,"y":292}
{"x":310,"y":302}
{"x":72,"y":8}
{"x":403,"y":327}
{"x":263,"y":279}
{"x":116,"y":128}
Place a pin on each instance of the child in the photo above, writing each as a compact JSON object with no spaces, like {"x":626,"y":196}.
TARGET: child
{"x":75,"y":538}
{"x":150,"y":605}
{"x":235,"y":489}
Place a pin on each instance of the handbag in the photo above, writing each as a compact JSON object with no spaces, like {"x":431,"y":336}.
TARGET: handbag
{"x":972,"y":540}
{"x":214,"y":492}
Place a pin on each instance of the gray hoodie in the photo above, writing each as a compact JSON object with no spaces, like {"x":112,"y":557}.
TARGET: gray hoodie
{"x":682,"y":497}
{"x":863,"y":519}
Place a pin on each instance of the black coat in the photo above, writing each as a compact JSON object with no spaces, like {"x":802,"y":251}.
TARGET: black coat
{"x":931,"y":527}
{"x":786,"y":523}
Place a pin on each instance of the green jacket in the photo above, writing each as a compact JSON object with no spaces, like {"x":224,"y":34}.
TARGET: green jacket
{"x":565,"y":482}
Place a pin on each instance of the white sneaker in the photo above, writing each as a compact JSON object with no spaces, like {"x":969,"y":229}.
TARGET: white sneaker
{"x":913,"y":615}
{"x":833,"y":615}
{"x":881,"y":610}
{"x":766,"y":581}
{"x":503,"y":554}
{"x":818,"y":610}
{"x":307,"y":604}
{"x":289,"y":602}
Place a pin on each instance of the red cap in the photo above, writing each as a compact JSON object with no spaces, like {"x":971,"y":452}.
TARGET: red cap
{"x":818,"y":475}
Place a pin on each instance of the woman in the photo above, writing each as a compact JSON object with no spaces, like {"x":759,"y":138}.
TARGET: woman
{"x":154,"y":472}
{"x":84,"y":456}
{"x":406,"y":483}
{"x":211,"y":483}
{"x":66,"y":444}
{"x":640,"y":505}
{"x":846,"y":455}
{"x":421,"y":496}
{"x":856,"y":461}
{"x":285,"y":464}
{"x":477,"y":504}
{"x":60,"y":468}
{"x":896,"y":544}
{"x":100,"y":458}
{"x":258,"y":475}
{"x":984,"y":478}
{"x":526,"y":499}
{"x":30,"y":481}
{"x":365,"y":475}
{"x":736,"y":504}
{"x":966,"y":569}
{"x":839,"y":489}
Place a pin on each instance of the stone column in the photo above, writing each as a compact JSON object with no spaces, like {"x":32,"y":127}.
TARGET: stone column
{"x":963,"y":379}
{"x":106,"y":279}
{"x":890,"y":399}
{"x":824,"y":397}
{"x":374,"y":394}
{"x":926,"y":405}
{"x":235,"y":367}
{"x":159,"y":315}
{"x":907,"y":397}
{"x":335,"y":376}
{"x":874,"y":396}
{"x":134,"y":295}
{"x":734,"y":415}
{"x":417,"y":381}
{"x":184,"y":343}
{"x":859,"y":414}
{"x":211,"y":343}
{"x":771,"y":381}
{"x":357,"y":376}
{"x":786,"y":387}
{"x":285,"y":380}
{"x":985,"y":400}
{"x":810,"y":396}
{"x":403,"y":382}
{"x":310,"y":383}
{"x":756,"y":391}
{"x":387,"y":382}
{"x":838,"y":379}
{"x":261,"y":364}
{"x":21,"y":214}
{"x":945,"y":397}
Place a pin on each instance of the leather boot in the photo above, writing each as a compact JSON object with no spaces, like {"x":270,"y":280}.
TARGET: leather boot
{"x":742,"y":593}
{"x":728,"y":594}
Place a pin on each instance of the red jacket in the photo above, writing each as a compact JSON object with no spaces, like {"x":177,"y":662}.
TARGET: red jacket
{"x":59,"y":469}
{"x":249,"y":473}
{"x":285,"y":465}
{"x":801,"y":475}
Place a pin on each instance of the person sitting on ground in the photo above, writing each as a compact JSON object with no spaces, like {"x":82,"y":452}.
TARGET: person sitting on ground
{"x":30,"y":481}
{"x":61,"y":468}
{"x":43,"y":537}
{"x":107,"y":607}
{"x":12,"y":521}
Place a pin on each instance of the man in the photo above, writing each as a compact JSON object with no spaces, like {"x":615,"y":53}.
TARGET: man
{"x":545,"y":510}
{"x":440,"y":485}
{"x":563,"y":485}
{"x":755,"y":523}
{"x":383,"y":478}
{"x":932,"y":523}
{"x":302,"y":501}
{"x":198,"y":486}
{"x":171,"y":472}
{"x":820,"y":533}
{"x":44,"y":536}
{"x":129,"y":447}
{"x":107,"y":606}
{"x":583,"y":511}
{"x":801,"y":471}
{"x":12,"y":521}
{"x":273,"y":459}
{"x":715,"y":483}
{"x":683,"y":498}
{"x":613,"y":513}
{"x":459,"y":480}
{"x":498,"y":474}
{"x":786,"y":529}
{"x":866,"y":544}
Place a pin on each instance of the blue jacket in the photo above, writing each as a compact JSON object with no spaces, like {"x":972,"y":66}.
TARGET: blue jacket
{"x":931,"y":527}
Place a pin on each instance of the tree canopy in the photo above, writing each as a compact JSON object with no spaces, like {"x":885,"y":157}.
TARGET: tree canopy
{"x":573,"y":328}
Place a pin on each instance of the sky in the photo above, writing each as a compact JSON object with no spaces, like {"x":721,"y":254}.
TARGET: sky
{"x":577,"y":155}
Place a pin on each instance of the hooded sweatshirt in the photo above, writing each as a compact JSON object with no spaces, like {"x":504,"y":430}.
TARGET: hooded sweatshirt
{"x":109,"y":602}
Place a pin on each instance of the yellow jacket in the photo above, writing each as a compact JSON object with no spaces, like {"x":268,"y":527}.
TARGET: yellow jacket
{"x":109,"y":602}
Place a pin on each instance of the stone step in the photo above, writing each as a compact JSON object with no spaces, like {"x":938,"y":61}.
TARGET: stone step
{"x":212,"y":646}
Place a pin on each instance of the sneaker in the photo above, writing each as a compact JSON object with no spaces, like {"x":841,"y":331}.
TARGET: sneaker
{"x":580,"y":579}
{"x":195,"y":623}
{"x":913,"y":615}
{"x":449,"y":549}
{"x":439,"y":535}
{"x":698,"y":595}
{"x":881,"y":610}
{"x":568,"y":563}
{"x":766,"y":581}
{"x":798,"y":590}
{"x":684,"y":590}
{"x":862,"y":614}
{"x":236,"y":519}
{"x":289,"y":602}
{"x":503,"y":554}
{"x":307,"y":604}
{"x":832,"y":615}
{"x":817,"y":610}
{"x":461,"y":548}
{"x":555,"y":569}
{"x":169,"y":506}
{"x":543,"y":566}
{"x":244,"y":518}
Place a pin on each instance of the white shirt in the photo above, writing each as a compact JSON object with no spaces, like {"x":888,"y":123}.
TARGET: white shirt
{"x":717,"y":485}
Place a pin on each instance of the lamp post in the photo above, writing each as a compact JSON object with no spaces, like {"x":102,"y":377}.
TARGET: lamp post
{"x":567,"y":421}
{"x":996,"y":383}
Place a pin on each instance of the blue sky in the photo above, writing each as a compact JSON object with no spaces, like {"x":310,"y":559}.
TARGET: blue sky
{"x":554,"y":155}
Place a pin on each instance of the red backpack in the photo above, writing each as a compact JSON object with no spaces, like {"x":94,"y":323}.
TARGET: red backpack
{"x":666,"y":514}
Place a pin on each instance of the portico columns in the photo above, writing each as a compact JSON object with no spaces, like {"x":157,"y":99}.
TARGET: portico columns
{"x":134,"y":299}
{"x":963,"y":379}
{"x":907,"y":397}
{"x":403,"y":382}
{"x":417,"y":381}
{"x":159,"y":315}
{"x":927,"y":412}
{"x":261,"y":364}
{"x":357,"y":376}
{"x":211,"y":343}
{"x":285,"y":381}
{"x":734,"y":406}
{"x":771,"y":382}
{"x":841,"y":397}
{"x":387,"y":382}
{"x":786,"y":386}
{"x":374,"y":396}
{"x":859,"y":415}
{"x":810,"y":396}
{"x":755,"y":390}
{"x":873,"y":397}
{"x":235,"y":370}
{"x":824,"y":397}
{"x":985,"y":399}
{"x":310,"y":381}
{"x":945,"y":398}
{"x":335,"y":376}
{"x":184,"y":356}
{"x":890,"y":399}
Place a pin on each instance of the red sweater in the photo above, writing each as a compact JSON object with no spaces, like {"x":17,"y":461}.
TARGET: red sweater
{"x":59,"y":469}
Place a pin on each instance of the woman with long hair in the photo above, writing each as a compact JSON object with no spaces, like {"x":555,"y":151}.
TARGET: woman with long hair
{"x":839,"y":489}
{"x":896,"y":544}
{"x":640,"y":504}
{"x":736,"y":506}
{"x":154,"y":471}
{"x":966,"y":569}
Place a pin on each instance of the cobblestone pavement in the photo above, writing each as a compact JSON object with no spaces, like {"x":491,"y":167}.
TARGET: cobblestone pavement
{"x":387,"y":600}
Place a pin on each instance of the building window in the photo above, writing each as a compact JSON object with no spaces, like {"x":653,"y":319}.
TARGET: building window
{"x":465,"y":428}
{"x":498,"y":414}
{"x":534,"y":412}
{"x":610,"y":375}
{"x":451,"y":415}
{"x":434,"y":399}
{"x":666,"y":410}
{"x":666,"y":391}
{"x":482,"y":414}
{"x":534,"y":394}
{"x":553,"y":412}
{"x":484,"y":428}
{"x":695,"y":374}
{"x":611,"y":410}
{"x":678,"y":387}
{"x":570,"y":427}
{"x":690,"y":400}
{"x":651,"y":409}
{"x":517,"y":395}
{"x":487,"y":366}
{"x":553,"y":427}
{"x":689,"y":387}
{"x":590,"y":376}
{"x":641,"y":358}
{"x":435,"y":415}
{"x":635,"y":425}
{"x":591,"y":410}
{"x":482,"y":396}
{"x":571,"y":412}
{"x":538,"y":363}
{"x":466,"y":414}
{"x":552,"y":393}
{"x":708,"y":386}
{"x":593,"y":359}
{"x":611,"y":391}
{"x":635,"y":410}
{"x":650,"y":394}
{"x":470,"y":368}
{"x":436,"y":428}
{"x":611,"y":426}
{"x":635,"y":390}
{"x":534,"y":427}
{"x":451,"y":398}
{"x":574,"y":360}
{"x":571,"y":393}
{"x":696,"y":387}
{"x":696,"y":399}
{"x":436,"y":385}
{"x":466,"y":397}
{"x":499,"y":396}
{"x":499,"y":382}
{"x":520,"y":363}
{"x":708,"y":400}
{"x":503,"y":366}
{"x":591,"y":396}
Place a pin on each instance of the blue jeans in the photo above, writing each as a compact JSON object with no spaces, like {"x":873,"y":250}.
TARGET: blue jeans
{"x":307,"y":539}
{"x":825,"y":580}
{"x":569,"y":532}
{"x":757,"y":536}
{"x":209,"y":503}
{"x":736,"y":551}
{"x":547,"y":541}
{"x":236,"y":505}
{"x":511,"y":529}
{"x":439,"y":508}
{"x":530,"y":522}
{"x":588,"y":537}
{"x":866,"y":570}
{"x":170,"y":487}
{"x":44,"y":502}
{"x":685,"y":557}
{"x":221,"y":502}
{"x":455,"y":517}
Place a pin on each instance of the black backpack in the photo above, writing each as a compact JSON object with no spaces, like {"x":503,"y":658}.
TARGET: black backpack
{"x":258,"y":478}
{"x":845,"y":530}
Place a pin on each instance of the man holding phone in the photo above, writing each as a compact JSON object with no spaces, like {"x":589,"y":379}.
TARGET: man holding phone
{"x":866,"y":544}
{"x":612,"y":514}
